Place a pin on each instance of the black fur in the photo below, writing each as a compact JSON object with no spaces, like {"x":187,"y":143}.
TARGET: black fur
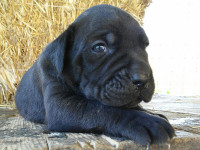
{"x":74,"y":86}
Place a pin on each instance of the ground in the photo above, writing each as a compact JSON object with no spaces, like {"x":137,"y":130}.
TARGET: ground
{"x":183,"y":113}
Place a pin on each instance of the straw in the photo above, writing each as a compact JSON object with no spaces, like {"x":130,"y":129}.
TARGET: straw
{"x":26,"y":26}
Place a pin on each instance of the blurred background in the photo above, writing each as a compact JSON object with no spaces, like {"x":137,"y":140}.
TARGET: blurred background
{"x":27,"y":26}
{"x":173,"y":28}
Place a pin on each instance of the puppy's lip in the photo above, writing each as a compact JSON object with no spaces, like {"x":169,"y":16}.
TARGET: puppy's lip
{"x":115,"y":100}
{"x":133,"y":104}
{"x":146,"y":100}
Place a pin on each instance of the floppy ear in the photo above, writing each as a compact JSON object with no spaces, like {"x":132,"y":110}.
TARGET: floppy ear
{"x":63,"y":44}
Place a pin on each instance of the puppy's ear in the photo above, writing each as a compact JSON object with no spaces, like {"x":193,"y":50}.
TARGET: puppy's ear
{"x":63,"y":44}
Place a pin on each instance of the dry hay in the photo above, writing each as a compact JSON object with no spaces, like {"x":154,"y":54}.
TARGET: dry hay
{"x":26,"y":26}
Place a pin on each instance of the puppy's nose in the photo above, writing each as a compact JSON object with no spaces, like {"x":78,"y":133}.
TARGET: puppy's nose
{"x":139,"y":79}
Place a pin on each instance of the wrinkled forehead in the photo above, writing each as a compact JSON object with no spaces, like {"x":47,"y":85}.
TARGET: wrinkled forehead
{"x":107,"y":21}
{"x":106,"y":16}
{"x":102,"y":12}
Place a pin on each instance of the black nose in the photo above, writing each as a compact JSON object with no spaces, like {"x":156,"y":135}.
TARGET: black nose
{"x":139,"y":79}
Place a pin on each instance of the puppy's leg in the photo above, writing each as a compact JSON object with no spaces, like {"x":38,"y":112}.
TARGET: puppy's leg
{"x":28,"y":98}
{"x":66,"y":112}
{"x":139,"y":107}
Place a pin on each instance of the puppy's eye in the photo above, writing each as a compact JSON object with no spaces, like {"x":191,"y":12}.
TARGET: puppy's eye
{"x":99,"y":48}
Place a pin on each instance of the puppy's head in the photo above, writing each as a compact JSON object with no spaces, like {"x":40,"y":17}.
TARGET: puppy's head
{"x":106,"y":59}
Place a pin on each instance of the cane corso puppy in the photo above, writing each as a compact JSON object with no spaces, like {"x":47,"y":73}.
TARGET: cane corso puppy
{"x":92,"y":79}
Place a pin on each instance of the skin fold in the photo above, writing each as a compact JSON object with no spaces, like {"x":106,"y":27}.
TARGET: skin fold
{"x":92,"y":79}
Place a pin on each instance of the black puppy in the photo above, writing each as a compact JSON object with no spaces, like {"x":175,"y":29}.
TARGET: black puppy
{"x":92,"y":78}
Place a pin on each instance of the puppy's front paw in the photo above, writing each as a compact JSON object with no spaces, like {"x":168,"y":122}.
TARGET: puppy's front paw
{"x":146,"y":128}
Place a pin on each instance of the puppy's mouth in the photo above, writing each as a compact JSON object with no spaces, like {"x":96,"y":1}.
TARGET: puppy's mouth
{"x":120,"y":91}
